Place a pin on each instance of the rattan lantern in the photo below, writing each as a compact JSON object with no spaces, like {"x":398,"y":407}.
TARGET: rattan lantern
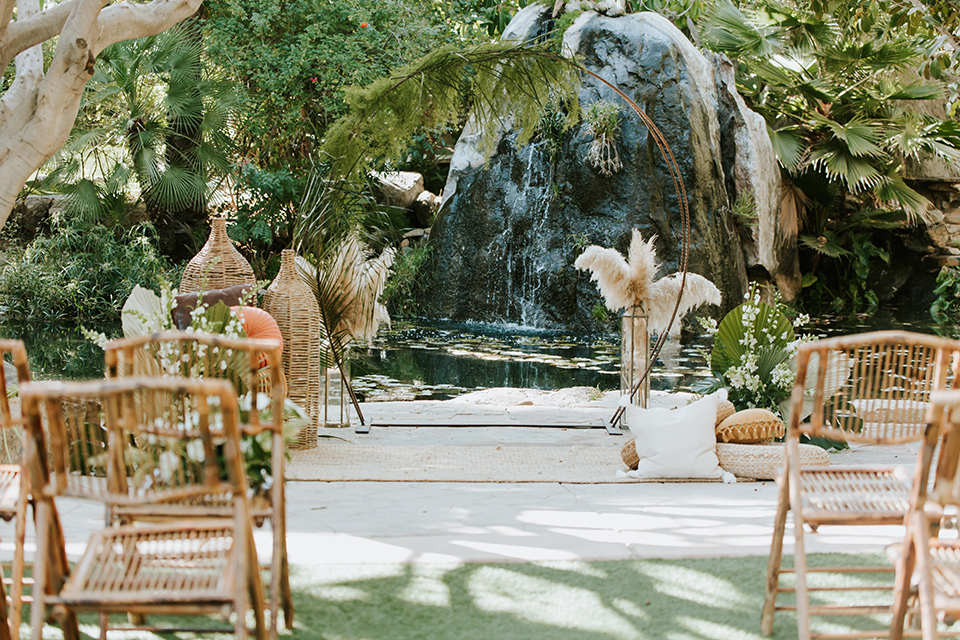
{"x":292,"y":304}
{"x":218,"y":265}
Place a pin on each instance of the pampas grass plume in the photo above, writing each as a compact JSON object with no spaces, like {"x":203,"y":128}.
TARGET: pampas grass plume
{"x":626,"y":282}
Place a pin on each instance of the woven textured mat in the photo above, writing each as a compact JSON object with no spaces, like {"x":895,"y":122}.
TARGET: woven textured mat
{"x":576,"y":464}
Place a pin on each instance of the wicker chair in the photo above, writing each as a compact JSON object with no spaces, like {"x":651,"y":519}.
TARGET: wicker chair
{"x":924,"y":559}
{"x":870,"y":388}
{"x":79,"y":444}
{"x":248,"y":364}
{"x":13,"y":490}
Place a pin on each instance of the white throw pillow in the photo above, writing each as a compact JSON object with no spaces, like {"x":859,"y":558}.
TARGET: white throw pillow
{"x":677,"y":443}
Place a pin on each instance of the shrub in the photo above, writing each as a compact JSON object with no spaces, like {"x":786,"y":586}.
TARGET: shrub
{"x":80,"y":274}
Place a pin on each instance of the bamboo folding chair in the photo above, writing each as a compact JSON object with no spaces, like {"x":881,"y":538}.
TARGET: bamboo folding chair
{"x":13,"y":488}
{"x":869,"y":388}
{"x":924,"y":558}
{"x":253,"y":367}
{"x":80,"y":444}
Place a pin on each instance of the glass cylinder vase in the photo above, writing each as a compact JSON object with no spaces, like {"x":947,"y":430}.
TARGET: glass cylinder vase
{"x":635,"y":355}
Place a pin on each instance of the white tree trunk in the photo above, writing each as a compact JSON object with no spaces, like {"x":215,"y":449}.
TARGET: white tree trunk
{"x":38,"y":110}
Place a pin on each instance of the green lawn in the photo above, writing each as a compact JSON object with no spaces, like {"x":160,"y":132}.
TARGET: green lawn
{"x":703,"y":599}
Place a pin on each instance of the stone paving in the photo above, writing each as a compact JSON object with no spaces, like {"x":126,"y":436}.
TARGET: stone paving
{"x":333,"y":523}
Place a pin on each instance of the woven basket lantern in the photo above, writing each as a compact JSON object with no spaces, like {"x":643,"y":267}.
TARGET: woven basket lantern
{"x":218,"y":265}
{"x":294,"y":307}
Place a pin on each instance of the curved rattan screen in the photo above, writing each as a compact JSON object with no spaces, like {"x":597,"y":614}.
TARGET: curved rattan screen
{"x":292,"y":304}
{"x":873,"y":387}
{"x":218,"y":265}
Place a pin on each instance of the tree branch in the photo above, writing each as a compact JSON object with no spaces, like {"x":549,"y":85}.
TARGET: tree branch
{"x":29,"y":68}
{"x":6,"y":14}
{"x":25,"y":33}
{"x":126,"y":21}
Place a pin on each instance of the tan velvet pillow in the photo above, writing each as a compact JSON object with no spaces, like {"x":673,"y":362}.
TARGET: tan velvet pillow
{"x":749,"y":426}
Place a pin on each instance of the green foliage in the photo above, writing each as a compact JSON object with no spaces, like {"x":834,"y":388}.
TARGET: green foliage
{"x":486,"y":80}
{"x":946,"y":308}
{"x":831,"y":82}
{"x":408,"y":284}
{"x":845,"y":255}
{"x":265,"y":216}
{"x":155,"y":123}
{"x":296,"y":58}
{"x":600,"y":314}
{"x":80,"y":274}
{"x":603,"y":118}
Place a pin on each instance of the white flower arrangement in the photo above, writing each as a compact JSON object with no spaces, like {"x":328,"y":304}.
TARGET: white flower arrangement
{"x":754,"y":353}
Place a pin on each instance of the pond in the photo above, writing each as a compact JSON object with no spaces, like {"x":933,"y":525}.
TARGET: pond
{"x":427,"y":359}
{"x":440,"y":360}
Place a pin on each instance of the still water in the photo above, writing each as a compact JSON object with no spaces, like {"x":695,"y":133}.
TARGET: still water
{"x":440,"y":360}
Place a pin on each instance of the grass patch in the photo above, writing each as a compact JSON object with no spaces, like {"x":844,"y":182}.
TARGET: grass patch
{"x":702,"y":599}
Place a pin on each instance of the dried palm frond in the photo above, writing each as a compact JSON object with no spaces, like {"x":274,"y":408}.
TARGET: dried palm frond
{"x":630,"y":282}
{"x":348,"y":286}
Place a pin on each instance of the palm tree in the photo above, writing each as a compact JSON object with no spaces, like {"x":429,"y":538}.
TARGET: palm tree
{"x":154,"y":125}
{"x":835,"y":90}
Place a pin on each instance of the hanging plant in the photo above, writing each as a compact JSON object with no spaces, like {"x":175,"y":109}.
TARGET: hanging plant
{"x":603,"y":123}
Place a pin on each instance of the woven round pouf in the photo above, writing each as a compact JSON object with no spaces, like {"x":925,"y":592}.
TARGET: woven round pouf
{"x":764,"y":461}
{"x":725,"y":409}
{"x":218,"y":265}
{"x":629,"y":454}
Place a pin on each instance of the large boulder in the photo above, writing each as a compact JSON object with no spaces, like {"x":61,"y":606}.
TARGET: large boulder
{"x":511,"y":225}
{"x":750,"y":167}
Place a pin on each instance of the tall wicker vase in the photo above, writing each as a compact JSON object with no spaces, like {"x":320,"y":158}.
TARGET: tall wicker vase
{"x":292,"y":304}
{"x":635,"y":354}
{"x":218,"y":265}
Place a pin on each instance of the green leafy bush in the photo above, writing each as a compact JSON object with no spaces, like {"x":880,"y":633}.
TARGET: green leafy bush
{"x":79,"y":275}
{"x":403,"y":293}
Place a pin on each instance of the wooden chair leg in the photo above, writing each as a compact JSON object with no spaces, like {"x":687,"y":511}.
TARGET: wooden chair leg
{"x":921,"y":543}
{"x":19,"y":563}
{"x":901,"y":592}
{"x":775,"y":559}
{"x":5,"y":629}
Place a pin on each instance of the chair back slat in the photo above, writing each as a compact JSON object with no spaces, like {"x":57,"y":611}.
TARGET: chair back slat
{"x":252,"y":366}
{"x":873,"y":387}
{"x":102,"y":444}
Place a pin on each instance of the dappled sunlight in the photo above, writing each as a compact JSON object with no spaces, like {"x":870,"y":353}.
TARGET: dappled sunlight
{"x":696,"y":586}
{"x":427,"y":586}
{"x":707,"y":629}
{"x":547,"y":602}
{"x":517,"y":552}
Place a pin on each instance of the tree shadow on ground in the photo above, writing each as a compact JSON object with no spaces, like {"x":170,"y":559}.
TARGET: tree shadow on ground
{"x":685,"y":599}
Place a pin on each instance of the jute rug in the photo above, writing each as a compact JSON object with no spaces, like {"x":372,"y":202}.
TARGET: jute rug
{"x":575,"y":464}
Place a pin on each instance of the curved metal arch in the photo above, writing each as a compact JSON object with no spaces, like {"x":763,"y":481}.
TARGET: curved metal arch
{"x":674,"y":169}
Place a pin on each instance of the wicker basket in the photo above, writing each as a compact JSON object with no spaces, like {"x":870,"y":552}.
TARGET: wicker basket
{"x":629,"y":454}
{"x":764,"y":461}
{"x":218,"y":265}
{"x":294,"y":307}
{"x":724,"y":410}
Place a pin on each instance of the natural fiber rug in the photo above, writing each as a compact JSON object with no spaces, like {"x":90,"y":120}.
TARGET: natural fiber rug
{"x":576,"y":464}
